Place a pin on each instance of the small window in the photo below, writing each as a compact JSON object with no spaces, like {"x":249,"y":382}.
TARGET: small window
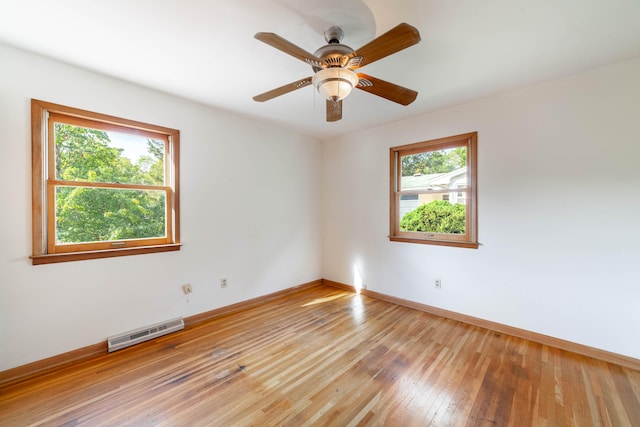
{"x":102,"y":186}
{"x":433,"y":192}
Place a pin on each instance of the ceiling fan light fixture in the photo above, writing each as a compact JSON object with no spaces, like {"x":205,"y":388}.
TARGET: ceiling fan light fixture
{"x":335,"y":83}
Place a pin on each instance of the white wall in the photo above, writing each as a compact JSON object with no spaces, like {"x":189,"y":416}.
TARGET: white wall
{"x":249,"y":207}
{"x":559,"y":187}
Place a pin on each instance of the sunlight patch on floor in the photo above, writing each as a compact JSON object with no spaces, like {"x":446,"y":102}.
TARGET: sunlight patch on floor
{"x":321,"y":300}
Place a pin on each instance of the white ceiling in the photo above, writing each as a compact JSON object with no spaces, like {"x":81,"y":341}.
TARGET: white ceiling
{"x":204,"y":50}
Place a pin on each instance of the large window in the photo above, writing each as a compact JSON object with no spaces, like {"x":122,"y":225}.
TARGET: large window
{"x":433,"y":192}
{"x":102,"y":186}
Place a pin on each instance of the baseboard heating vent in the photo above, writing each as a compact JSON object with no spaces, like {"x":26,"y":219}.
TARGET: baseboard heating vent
{"x":136,"y":336}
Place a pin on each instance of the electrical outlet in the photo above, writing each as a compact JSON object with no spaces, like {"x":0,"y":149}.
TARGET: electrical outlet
{"x":186,"y":288}
{"x":223,"y":283}
{"x":438,"y":284}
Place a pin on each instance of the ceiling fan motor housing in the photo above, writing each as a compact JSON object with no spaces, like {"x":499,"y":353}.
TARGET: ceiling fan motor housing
{"x":332,"y":54}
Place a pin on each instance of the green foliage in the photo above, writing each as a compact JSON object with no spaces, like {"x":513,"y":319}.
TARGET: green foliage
{"x":441,"y":161}
{"x":439,"y":216}
{"x":156,"y":148}
{"x":101,"y":214}
{"x":152,"y":167}
{"x":84,"y":154}
{"x":85,"y":214}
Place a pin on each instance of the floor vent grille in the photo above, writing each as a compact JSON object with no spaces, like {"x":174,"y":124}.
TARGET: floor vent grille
{"x":136,"y":336}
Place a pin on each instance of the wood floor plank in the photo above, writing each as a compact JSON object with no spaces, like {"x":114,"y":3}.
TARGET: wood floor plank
{"x":326,"y":356}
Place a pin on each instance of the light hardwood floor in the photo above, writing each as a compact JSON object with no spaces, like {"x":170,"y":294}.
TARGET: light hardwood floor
{"x":325,"y":356}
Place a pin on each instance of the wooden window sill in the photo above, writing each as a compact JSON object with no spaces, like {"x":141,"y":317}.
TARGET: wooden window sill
{"x":435,"y":242}
{"x":107,"y":253}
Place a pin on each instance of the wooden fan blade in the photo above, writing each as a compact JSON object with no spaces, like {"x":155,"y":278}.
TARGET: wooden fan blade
{"x":386,"y":90}
{"x":290,"y":87}
{"x":334,"y":110}
{"x":400,"y":37}
{"x":286,"y":46}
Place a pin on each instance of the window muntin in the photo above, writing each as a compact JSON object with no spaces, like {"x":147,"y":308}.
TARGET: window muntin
{"x":433,"y":192}
{"x":102,"y":186}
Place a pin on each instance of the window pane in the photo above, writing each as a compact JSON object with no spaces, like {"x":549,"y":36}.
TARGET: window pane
{"x":92,"y":155}
{"x":441,"y":208}
{"x":433,"y":213}
{"x":85,"y":214}
{"x":434,"y":170}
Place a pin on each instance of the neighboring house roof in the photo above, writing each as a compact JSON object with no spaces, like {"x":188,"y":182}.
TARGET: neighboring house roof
{"x":431,"y":181}
{"x":418,"y":181}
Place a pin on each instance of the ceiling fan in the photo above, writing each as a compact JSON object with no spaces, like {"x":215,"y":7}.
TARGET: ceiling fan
{"x":334,"y":65}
